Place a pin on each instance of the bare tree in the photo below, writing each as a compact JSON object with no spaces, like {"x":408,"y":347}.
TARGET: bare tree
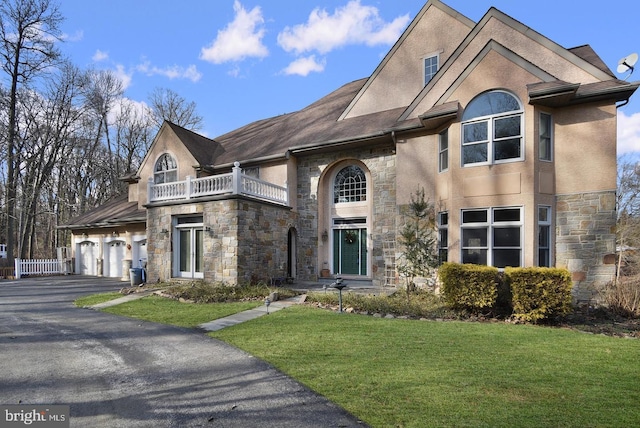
{"x":167,"y":105}
{"x":628,"y":208}
{"x":50,"y":118}
{"x":103,"y":90}
{"x":133,"y":129}
{"x":28,"y":32}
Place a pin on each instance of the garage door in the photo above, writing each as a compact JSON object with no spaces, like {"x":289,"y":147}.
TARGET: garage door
{"x":86,"y":254}
{"x":113,"y":255}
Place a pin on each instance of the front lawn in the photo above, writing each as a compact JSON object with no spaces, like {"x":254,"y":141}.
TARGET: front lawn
{"x":169,"y":311}
{"x":410,"y":373}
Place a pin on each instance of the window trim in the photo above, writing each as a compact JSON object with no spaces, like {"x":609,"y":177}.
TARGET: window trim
{"x":550,"y":138}
{"x":546,"y":223}
{"x":443,"y":136}
{"x":359,"y":191}
{"x":491,"y":139}
{"x":443,"y":236}
{"x":490,"y":225}
{"x":425,"y":58}
{"x":164,"y":172}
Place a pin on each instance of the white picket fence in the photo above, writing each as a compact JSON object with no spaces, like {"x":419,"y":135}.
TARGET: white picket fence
{"x":40,"y":267}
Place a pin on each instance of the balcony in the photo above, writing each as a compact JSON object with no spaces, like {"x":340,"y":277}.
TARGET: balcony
{"x":233,"y":183}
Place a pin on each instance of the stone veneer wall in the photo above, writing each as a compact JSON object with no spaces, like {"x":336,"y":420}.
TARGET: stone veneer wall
{"x":586,"y":240}
{"x":244,"y":239}
{"x":381,"y":163}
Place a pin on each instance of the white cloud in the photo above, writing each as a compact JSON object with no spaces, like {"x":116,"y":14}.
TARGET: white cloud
{"x":173,"y":72}
{"x":304,"y":66}
{"x":628,"y":133}
{"x":240,"y":39}
{"x":124,"y":77}
{"x":75,"y":37}
{"x":100,"y":56}
{"x":349,"y":25}
{"x":139,"y":108}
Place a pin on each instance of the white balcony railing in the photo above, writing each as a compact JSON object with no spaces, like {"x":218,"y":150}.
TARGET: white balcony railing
{"x":234,"y":183}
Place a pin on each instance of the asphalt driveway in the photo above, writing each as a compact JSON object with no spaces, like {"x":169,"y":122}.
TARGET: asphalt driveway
{"x":118,"y":372}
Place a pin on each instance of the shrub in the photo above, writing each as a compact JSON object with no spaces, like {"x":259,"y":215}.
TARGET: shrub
{"x":623,"y":297}
{"x":204,"y":292}
{"x":470,"y":287}
{"x":539,"y":293}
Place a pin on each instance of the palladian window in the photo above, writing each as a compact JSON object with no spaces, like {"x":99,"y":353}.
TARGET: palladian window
{"x":166,"y":170}
{"x":492,"y":129}
{"x":350,"y":185}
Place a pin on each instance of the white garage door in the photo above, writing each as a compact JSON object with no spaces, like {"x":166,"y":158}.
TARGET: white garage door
{"x":113,"y":255}
{"x":86,"y":254}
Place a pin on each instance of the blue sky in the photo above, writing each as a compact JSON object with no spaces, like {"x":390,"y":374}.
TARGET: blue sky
{"x":245,"y":60}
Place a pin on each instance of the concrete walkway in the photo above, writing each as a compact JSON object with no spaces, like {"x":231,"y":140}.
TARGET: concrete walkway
{"x":234,"y":319}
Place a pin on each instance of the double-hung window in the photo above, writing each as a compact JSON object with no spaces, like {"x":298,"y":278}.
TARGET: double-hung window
{"x":443,"y":236}
{"x":492,"y":129}
{"x":545,"y":140}
{"x":443,"y":151}
{"x":492,"y":236}
{"x":430,"y":68}
{"x":544,"y":236}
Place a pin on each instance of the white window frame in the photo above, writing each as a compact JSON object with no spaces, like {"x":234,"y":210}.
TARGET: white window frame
{"x":426,"y":77}
{"x":443,"y":152}
{"x":546,"y":140}
{"x":166,"y":175}
{"x":490,"y":226}
{"x":350,"y":191}
{"x":491,"y":140}
{"x":545,"y":223}
{"x":443,"y":236}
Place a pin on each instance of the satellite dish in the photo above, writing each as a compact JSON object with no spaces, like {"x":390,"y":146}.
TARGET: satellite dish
{"x":627,"y":63}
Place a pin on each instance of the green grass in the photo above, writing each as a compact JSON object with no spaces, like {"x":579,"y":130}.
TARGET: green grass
{"x":168,"y":311}
{"x":409,"y":373}
{"x":95,"y":299}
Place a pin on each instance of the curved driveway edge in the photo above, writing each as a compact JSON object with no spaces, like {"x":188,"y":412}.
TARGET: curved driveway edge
{"x":118,"y":372}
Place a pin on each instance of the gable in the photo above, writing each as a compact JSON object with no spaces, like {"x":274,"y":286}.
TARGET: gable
{"x":436,"y":30}
{"x":524,"y":47}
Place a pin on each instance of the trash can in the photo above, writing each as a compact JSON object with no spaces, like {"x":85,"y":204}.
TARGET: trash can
{"x":136,"y":276}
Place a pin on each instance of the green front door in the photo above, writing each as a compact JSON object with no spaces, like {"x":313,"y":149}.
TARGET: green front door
{"x":350,"y":251}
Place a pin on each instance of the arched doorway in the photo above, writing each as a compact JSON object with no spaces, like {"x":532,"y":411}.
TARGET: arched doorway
{"x":345,"y":217}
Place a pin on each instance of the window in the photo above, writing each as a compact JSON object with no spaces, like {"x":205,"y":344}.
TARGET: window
{"x":544,"y":236}
{"x":492,"y":237}
{"x":443,"y":237}
{"x":443,"y":151}
{"x":430,"y":68}
{"x":166,"y":170}
{"x":492,"y":129}
{"x":350,"y":185}
{"x":545,"y":137}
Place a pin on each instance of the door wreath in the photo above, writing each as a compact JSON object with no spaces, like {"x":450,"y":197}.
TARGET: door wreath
{"x":350,"y":237}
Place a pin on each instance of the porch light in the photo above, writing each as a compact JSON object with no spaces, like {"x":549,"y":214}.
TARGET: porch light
{"x":325,"y":236}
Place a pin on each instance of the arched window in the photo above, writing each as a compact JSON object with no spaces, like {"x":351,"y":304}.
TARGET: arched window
{"x":350,"y":185}
{"x":166,"y":170}
{"x":492,"y":129}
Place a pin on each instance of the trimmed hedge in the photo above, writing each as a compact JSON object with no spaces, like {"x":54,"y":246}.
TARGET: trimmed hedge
{"x":529,"y":294}
{"x":469,"y":287}
{"x":539,"y":293}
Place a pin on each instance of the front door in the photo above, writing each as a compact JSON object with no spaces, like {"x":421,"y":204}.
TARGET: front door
{"x":350,"y":251}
